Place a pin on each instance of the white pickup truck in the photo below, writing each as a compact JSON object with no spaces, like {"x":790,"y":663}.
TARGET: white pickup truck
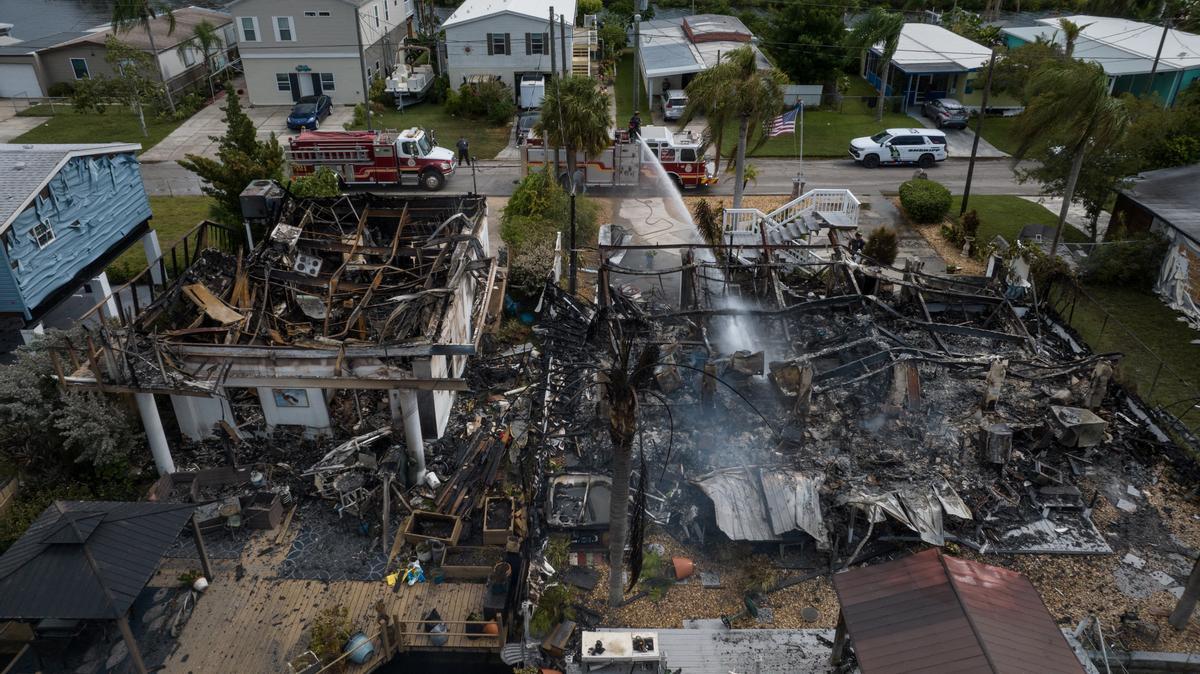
{"x":922,"y":147}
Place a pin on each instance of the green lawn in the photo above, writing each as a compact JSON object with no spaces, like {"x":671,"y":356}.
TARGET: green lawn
{"x":626,"y":71}
{"x":486,"y":141}
{"x":999,"y":131}
{"x":1156,"y":325}
{"x":173,"y":217}
{"x":1006,"y":216}
{"x":826,"y":134}
{"x":114,"y":125}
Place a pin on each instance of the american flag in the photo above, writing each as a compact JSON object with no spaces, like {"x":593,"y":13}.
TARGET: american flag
{"x":785,"y":123}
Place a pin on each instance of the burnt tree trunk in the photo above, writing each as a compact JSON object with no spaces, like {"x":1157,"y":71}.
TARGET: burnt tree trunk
{"x":622,"y":425}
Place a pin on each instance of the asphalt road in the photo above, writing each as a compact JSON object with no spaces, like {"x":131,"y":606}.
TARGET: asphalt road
{"x":493,"y":178}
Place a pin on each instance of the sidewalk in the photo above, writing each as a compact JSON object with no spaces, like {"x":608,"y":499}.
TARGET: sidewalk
{"x":959,"y":141}
{"x":11,"y":125}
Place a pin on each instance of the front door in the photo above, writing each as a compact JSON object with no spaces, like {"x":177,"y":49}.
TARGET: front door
{"x":306,"y":85}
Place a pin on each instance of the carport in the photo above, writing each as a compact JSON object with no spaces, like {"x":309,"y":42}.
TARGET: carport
{"x":89,"y":560}
{"x":930,"y":62}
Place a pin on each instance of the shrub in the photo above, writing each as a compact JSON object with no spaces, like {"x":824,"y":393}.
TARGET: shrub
{"x":925,"y":200}
{"x":491,"y":101}
{"x":61,"y":90}
{"x":360,"y":117}
{"x":589,"y":7}
{"x":331,"y":629}
{"x":439,"y":90}
{"x":970,"y":223}
{"x":378,"y":95}
{"x":1131,"y":263}
{"x":529,"y":269}
{"x":322,"y":183}
{"x":539,"y":208}
{"x":882,"y":246}
{"x":708,"y":221}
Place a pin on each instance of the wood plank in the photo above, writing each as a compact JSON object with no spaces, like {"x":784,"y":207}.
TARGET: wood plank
{"x":212,"y":305}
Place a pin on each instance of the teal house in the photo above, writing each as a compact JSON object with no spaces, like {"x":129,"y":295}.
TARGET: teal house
{"x":66,"y":212}
{"x":1126,"y":50}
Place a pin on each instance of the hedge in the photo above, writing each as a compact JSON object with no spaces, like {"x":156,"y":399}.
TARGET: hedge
{"x":924,"y":200}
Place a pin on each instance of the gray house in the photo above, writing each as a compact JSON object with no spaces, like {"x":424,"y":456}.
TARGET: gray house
{"x":291,"y":50}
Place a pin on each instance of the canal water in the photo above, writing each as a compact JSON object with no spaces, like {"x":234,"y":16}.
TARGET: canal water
{"x":32,"y":19}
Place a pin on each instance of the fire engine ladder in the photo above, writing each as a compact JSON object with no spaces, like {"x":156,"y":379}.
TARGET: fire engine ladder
{"x":330,"y":155}
{"x":793,"y":222}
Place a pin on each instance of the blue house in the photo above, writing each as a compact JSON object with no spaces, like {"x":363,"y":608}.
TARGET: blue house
{"x":1127,"y":50}
{"x":66,"y":212}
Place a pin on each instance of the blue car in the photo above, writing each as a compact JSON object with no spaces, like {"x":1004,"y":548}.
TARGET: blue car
{"x":309,"y":111}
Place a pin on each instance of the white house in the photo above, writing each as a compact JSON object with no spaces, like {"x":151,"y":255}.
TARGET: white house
{"x":506,"y":39}
{"x":672,"y":51}
{"x":294,"y":49}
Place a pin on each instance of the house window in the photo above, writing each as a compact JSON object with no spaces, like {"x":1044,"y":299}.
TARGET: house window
{"x":322,"y":13}
{"x":284,"y":32}
{"x":80,"y":68}
{"x":43,"y":233}
{"x":327,"y":81}
{"x":189,"y":58}
{"x":498,"y":44}
{"x":376,"y":8}
{"x":249,"y":25}
{"x":283,"y":82}
{"x":310,"y":14}
{"x":386,"y":16}
{"x":535,"y":43}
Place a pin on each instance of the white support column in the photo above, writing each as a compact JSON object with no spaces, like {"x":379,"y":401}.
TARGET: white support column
{"x":154,"y":433}
{"x":413,"y":440}
{"x":104,"y":290}
{"x":153,"y":252}
{"x":34,"y":333}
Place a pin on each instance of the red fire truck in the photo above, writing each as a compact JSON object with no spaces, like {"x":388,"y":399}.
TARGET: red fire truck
{"x":373,"y":157}
{"x":681,"y":155}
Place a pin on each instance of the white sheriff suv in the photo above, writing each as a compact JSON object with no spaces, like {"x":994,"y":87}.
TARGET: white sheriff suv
{"x":922,"y":147}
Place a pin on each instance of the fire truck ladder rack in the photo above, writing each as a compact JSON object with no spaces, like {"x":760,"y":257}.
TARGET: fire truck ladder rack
{"x":328,"y":155}
{"x":795,"y":220}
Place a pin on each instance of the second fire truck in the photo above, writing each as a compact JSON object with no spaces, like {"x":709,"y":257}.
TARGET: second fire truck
{"x":373,"y":157}
{"x":621,"y":164}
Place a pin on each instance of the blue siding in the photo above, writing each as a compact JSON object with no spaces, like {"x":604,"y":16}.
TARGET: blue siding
{"x":10,"y":294}
{"x":91,"y":204}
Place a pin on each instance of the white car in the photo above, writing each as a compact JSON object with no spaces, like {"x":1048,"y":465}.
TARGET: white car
{"x":673,"y":103}
{"x":922,"y":147}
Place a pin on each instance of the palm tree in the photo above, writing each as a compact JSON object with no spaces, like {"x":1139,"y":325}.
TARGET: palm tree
{"x":575,"y":117}
{"x":205,"y":38}
{"x":745,"y":92}
{"x":1071,"y":31}
{"x":879,"y":26}
{"x":129,"y":14}
{"x":705,"y":98}
{"x":1069,"y":107}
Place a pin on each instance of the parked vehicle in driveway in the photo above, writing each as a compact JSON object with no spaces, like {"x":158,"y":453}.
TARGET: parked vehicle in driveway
{"x":673,"y":103}
{"x":946,"y":113}
{"x":525,"y":123}
{"x":922,"y":147}
{"x":308,"y":112}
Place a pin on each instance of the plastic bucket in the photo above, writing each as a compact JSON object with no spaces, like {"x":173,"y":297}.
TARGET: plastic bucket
{"x":360,"y":648}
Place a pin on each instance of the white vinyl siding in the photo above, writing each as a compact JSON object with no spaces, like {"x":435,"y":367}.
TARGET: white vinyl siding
{"x":285,"y":28}
{"x":249,"y":27}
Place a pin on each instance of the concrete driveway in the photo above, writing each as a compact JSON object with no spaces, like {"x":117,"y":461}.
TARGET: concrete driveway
{"x":195,"y":135}
{"x":11,"y":125}
{"x":958,"y":141}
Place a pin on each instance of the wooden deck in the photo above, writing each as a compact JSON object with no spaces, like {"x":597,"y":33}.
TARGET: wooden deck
{"x":258,"y":623}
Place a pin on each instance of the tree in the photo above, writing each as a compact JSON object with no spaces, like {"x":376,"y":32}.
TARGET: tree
{"x":1106,"y":170}
{"x":737,"y":89}
{"x":575,"y":117}
{"x":613,"y":38}
{"x":882,"y":27}
{"x":1069,"y":106}
{"x":321,"y":183}
{"x":135,"y":84}
{"x":205,"y":38}
{"x":241,"y":158}
{"x":1071,"y":31}
{"x":800,"y":36}
{"x":130,"y":14}
{"x":1014,"y":67}
{"x":626,"y":377}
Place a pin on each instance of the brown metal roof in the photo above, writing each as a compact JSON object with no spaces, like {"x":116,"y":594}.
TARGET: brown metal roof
{"x":931,"y":613}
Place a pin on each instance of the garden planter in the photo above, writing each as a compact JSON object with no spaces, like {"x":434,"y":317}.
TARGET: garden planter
{"x":497,"y":520}
{"x":424,"y":526}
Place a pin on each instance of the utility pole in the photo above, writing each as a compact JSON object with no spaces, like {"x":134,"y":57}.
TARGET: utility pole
{"x":1157,"y":56}
{"x":362,"y":69}
{"x":574,"y":259}
{"x":987,"y":90}
{"x":637,"y":57}
{"x":553,"y":78}
{"x":562,"y":36}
